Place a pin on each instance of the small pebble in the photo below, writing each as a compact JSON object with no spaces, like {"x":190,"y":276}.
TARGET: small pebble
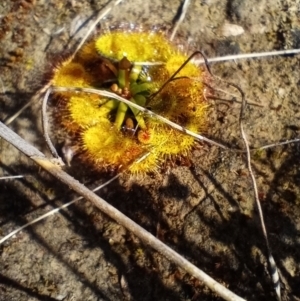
{"x":228,"y":30}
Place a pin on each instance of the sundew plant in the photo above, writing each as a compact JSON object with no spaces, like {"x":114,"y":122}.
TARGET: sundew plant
{"x":164,"y":136}
{"x":136,"y":64}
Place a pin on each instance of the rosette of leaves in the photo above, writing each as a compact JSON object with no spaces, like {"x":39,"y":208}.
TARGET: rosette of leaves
{"x":110,"y":134}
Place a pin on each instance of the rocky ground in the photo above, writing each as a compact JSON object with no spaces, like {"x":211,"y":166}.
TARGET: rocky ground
{"x":205,"y":211}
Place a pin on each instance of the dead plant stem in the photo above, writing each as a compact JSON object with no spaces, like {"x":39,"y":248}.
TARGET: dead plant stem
{"x":150,"y":240}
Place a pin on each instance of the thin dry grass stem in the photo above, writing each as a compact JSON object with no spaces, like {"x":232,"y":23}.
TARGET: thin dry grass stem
{"x":249,"y":102}
{"x":45,"y":127}
{"x":272,"y":265}
{"x":10,"y":119}
{"x":183,"y":12}
{"x":35,"y":98}
{"x":150,"y":240}
{"x":296,"y":140}
{"x":143,"y":110}
{"x":11,"y":177}
{"x":198,"y":61}
{"x":52,"y":212}
{"x":273,"y":268}
{"x":58,"y":31}
{"x":247,"y":56}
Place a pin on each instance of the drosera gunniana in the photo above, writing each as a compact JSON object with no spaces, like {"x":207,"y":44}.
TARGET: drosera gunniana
{"x":110,"y":134}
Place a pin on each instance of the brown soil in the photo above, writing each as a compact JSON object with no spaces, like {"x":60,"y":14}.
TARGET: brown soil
{"x":205,"y":212}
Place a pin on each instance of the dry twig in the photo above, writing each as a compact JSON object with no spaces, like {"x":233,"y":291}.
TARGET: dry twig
{"x":113,"y":213}
{"x":272,"y":264}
